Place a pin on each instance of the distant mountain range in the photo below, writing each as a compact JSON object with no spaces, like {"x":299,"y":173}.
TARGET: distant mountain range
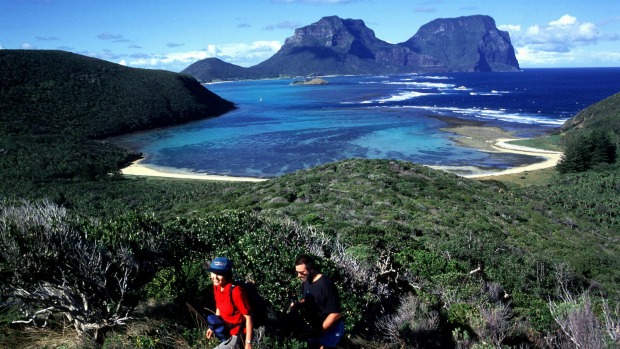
{"x":336,"y":46}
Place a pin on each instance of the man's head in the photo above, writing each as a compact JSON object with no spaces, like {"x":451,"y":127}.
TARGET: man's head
{"x":304,"y":266}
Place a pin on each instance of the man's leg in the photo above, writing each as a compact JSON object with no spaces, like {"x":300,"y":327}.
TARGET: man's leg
{"x":234,"y":342}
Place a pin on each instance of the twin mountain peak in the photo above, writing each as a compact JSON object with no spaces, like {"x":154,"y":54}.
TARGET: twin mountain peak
{"x":336,"y":46}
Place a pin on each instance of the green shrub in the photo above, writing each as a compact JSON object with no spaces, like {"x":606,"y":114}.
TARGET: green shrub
{"x":425,"y":264}
{"x":535,"y":311}
{"x":460,"y":313}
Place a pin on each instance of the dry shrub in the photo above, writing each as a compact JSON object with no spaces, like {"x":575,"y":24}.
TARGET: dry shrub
{"x":580,"y":327}
{"x":494,"y":324}
{"x":410,"y":325}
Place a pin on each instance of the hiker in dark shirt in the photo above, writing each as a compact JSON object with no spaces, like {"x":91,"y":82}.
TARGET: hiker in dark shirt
{"x":321,"y":305}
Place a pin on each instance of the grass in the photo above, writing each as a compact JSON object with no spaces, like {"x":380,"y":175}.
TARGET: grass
{"x":551,"y":142}
{"x":531,"y":178}
{"x":527,"y":178}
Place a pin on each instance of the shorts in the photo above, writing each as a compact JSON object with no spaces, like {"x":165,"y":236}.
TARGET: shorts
{"x":331,"y":337}
{"x":234,"y":342}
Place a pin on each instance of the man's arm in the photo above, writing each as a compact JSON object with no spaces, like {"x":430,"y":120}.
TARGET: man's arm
{"x":331,"y":320}
{"x":249,"y":328}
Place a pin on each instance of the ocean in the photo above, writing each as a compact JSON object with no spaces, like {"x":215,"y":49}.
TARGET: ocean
{"x":280,"y":128}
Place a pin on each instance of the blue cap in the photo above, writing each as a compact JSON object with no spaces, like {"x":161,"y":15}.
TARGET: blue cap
{"x":221,"y":265}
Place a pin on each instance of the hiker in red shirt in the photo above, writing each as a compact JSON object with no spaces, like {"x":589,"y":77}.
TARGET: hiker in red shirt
{"x":232,"y":322}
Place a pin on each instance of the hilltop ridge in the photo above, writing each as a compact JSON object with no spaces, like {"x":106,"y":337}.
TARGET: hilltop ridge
{"x":603,"y":115}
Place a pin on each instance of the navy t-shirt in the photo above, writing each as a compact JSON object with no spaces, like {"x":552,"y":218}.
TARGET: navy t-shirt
{"x":320,"y":299}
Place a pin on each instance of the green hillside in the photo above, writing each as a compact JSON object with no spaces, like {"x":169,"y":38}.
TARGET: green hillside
{"x":58,"y":105}
{"x":590,"y":139}
{"x":603,"y":115}
{"x":423,"y":258}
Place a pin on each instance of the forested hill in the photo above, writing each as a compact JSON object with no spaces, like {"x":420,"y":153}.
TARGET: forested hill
{"x":56,"y":91}
{"x":55,"y":105}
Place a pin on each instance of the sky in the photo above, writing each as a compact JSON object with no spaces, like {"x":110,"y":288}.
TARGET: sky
{"x":172,"y":34}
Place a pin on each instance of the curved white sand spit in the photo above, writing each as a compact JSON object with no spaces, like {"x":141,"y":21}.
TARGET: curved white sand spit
{"x":551,"y":158}
{"x":137,"y":169}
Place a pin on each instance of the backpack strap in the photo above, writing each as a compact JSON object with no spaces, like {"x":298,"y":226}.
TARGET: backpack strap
{"x":232,"y":301}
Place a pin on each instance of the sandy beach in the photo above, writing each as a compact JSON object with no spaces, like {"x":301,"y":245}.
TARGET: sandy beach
{"x":137,"y":169}
{"x":489,"y":139}
{"x":493,"y":139}
{"x":501,"y":145}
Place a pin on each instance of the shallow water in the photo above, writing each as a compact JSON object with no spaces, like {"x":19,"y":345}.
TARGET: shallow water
{"x":279,"y":128}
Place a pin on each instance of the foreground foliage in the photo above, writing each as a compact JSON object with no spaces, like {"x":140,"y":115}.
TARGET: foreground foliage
{"x":427,"y":259}
{"x":89,"y":273}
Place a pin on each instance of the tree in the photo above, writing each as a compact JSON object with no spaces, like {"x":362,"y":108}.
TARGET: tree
{"x":585,"y":150}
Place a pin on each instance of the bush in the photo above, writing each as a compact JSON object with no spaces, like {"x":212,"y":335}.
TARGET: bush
{"x":49,"y":264}
{"x":413,"y":325}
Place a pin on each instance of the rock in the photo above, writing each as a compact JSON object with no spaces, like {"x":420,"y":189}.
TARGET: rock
{"x":315,"y":81}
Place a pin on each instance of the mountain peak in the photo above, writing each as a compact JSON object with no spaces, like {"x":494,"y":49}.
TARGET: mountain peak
{"x":469,"y":43}
{"x":334,"y":45}
{"x":331,"y":31}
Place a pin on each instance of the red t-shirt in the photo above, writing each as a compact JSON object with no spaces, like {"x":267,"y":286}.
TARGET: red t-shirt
{"x":229,"y":313}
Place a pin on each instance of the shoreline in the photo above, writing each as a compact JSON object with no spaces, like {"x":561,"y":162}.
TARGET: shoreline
{"x":495,"y":140}
{"x":482,"y":138}
{"x":551,"y":158}
{"x":138,"y":169}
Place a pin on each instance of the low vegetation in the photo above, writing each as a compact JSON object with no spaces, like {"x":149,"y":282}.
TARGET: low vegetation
{"x":427,"y":258}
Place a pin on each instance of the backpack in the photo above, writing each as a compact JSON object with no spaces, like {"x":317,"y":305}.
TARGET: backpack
{"x":260,"y":307}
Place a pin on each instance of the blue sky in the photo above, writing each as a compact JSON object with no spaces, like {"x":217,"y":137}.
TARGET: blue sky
{"x":172,"y":34}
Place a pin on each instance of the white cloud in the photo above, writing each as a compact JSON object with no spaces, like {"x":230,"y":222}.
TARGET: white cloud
{"x":510,"y":28}
{"x":1,"y":47}
{"x":531,"y":57}
{"x":560,"y":42}
{"x":28,"y":46}
{"x":533,"y":30}
{"x":562,"y":35}
{"x":243,"y":54}
{"x":564,"y":21}
{"x":577,"y":57}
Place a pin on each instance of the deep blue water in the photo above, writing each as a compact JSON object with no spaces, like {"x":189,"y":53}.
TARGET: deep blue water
{"x":280,"y":128}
